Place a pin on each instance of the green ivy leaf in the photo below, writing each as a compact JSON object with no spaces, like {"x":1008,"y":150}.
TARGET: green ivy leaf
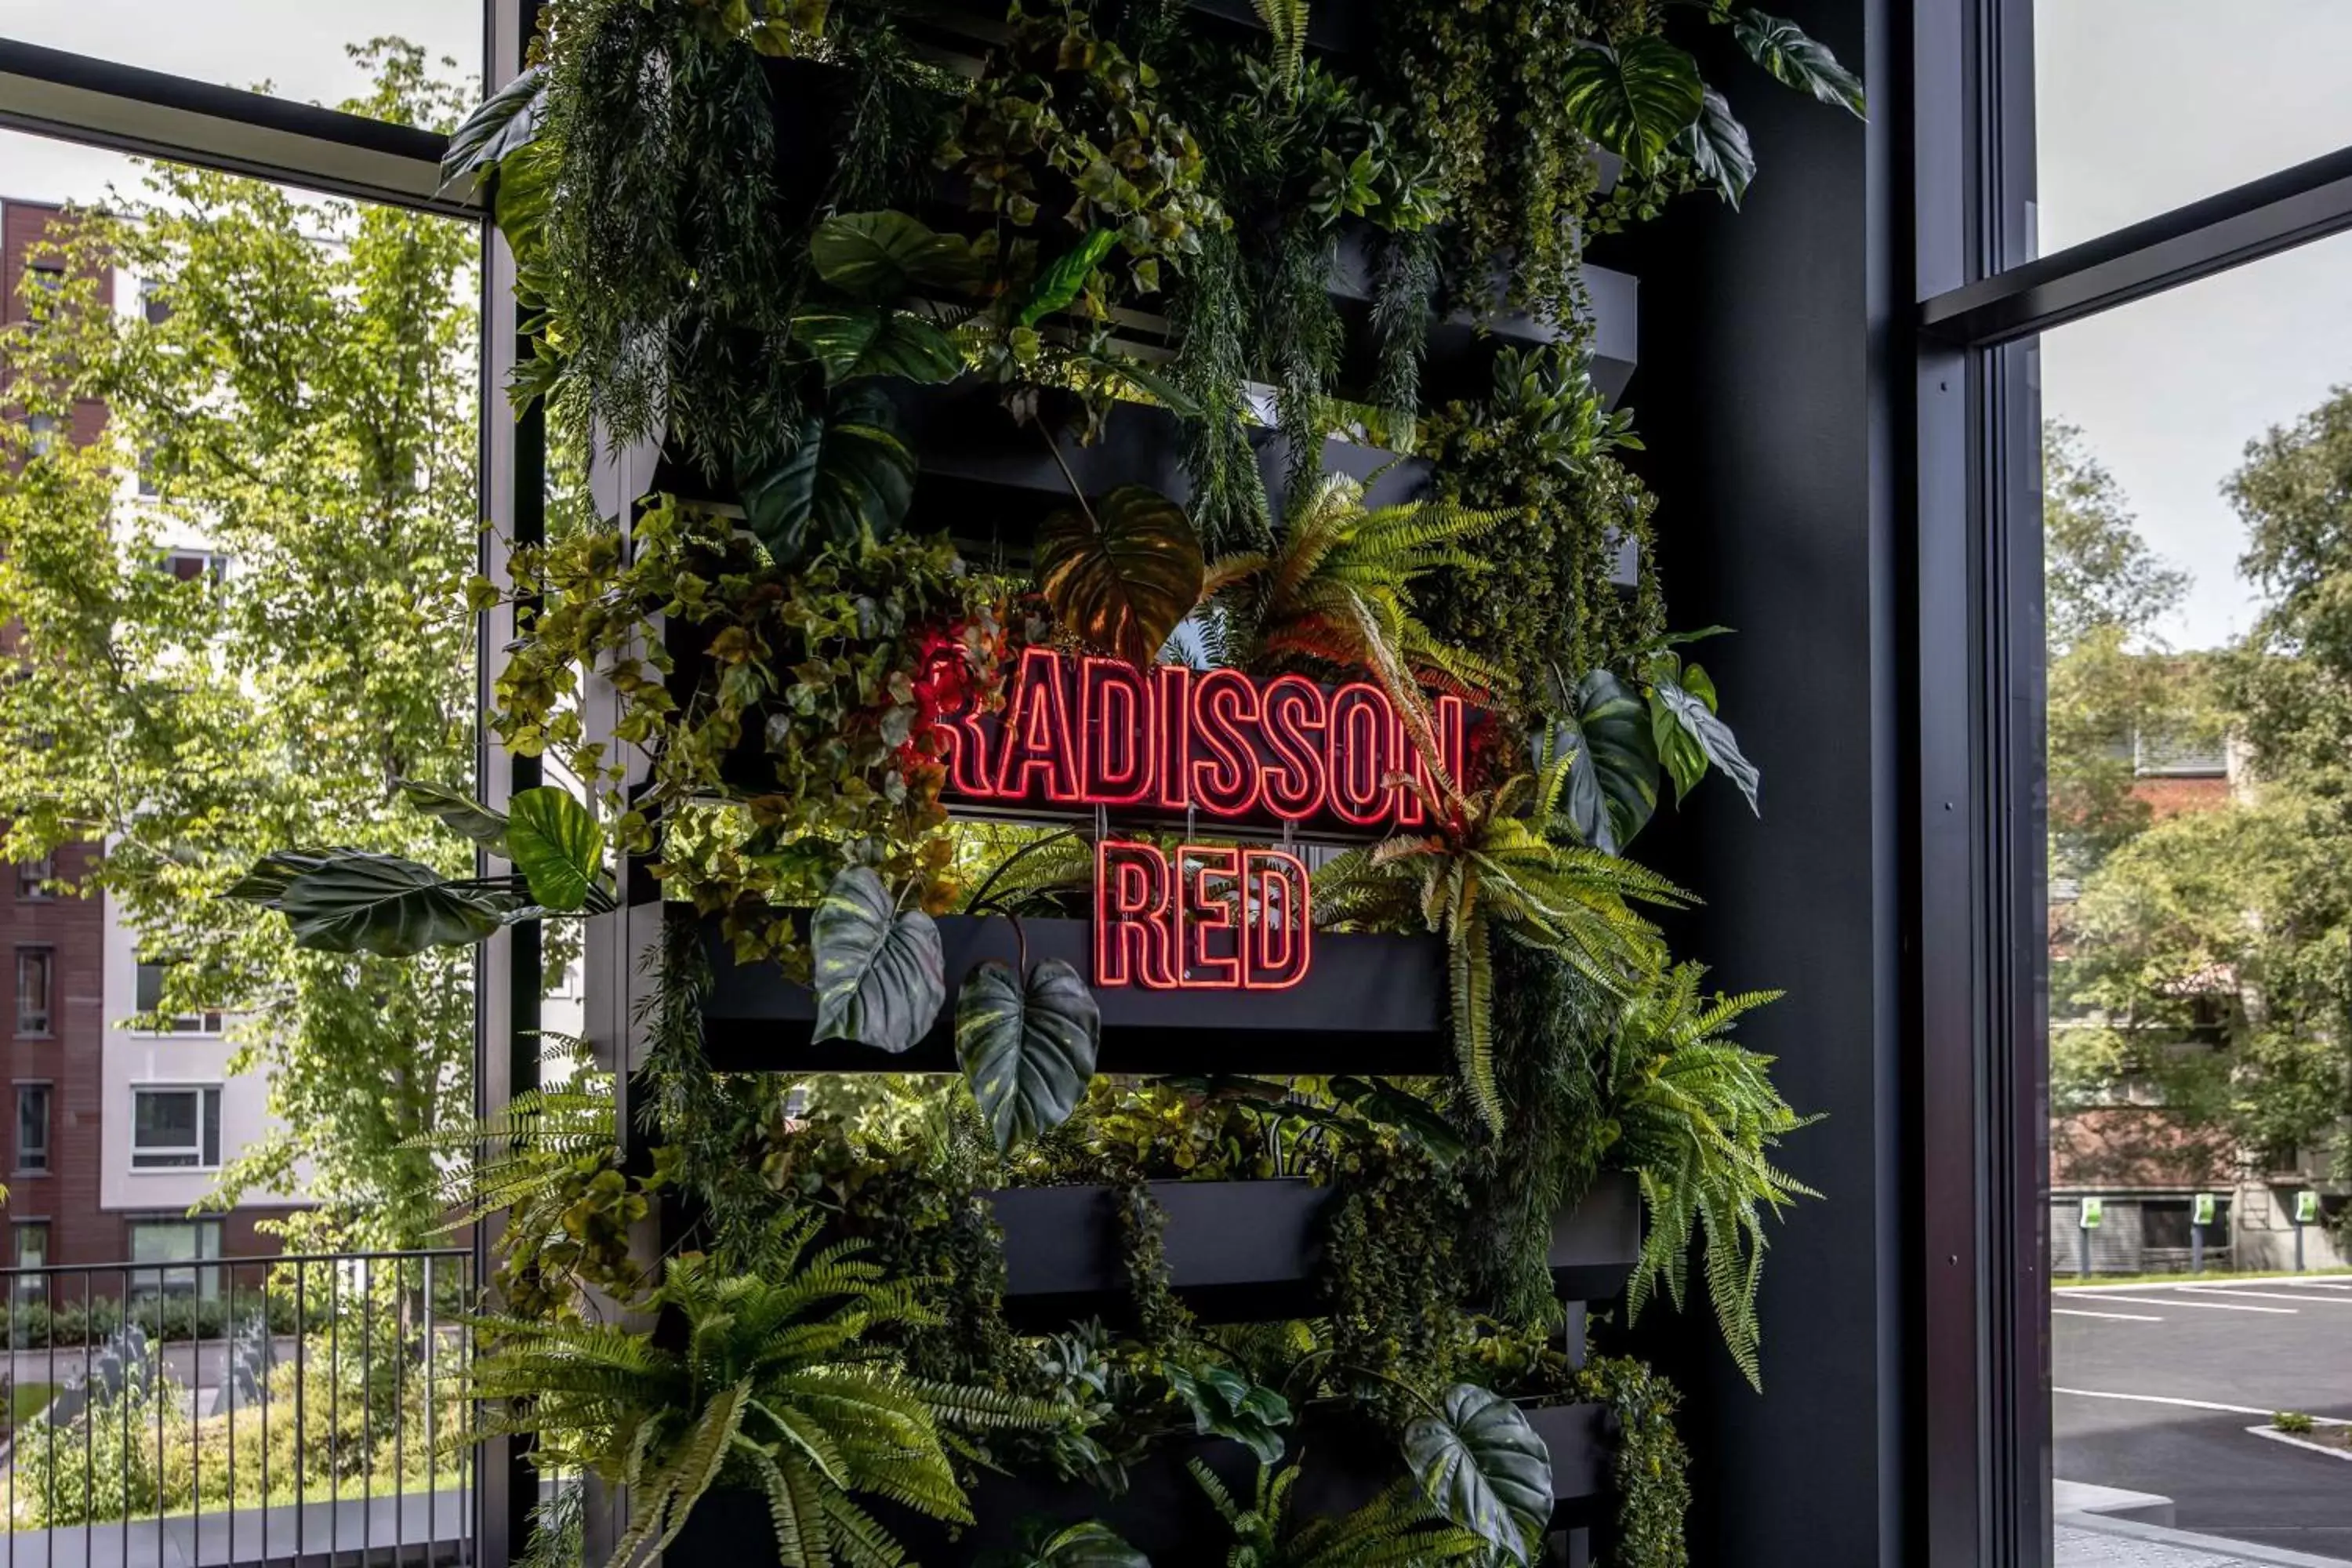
{"x":849,"y":475}
{"x":455,"y":809}
{"x":1633,"y":97}
{"x":1612,"y":783}
{"x":1484,"y":1468}
{"x":879,"y":256}
{"x":501,"y":123}
{"x":860,"y":341}
{"x":1781,"y":47}
{"x":881,"y":977}
{"x":1062,"y":282}
{"x":1122,"y":586}
{"x":1716,"y":145}
{"x":557,"y":845}
{"x":1028,"y":1049}
{"x":357,"y":902}
{"x":1690,"y":736}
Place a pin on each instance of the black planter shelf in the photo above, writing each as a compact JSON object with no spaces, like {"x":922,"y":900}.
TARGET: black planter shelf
{"x":1247,"y":1251}
{"x":1370,"y":1004}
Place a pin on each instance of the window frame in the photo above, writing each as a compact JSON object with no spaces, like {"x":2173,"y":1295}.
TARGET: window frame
{"x":171,"y":1278}
{"x":47,"y":1093}
{"x":44,"y":1025}
{"x":208,"y":1023}
{"x":208,"y":1138}
{"x":33,"y":877}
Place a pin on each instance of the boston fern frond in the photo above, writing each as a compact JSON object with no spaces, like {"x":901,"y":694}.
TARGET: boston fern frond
{"x":1699,"y":1117}
{"x":773,"y":1387}
{"x":1398,"y":1529}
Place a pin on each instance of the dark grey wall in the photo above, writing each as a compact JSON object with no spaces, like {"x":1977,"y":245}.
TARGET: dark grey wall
{"x":1763,"y":394}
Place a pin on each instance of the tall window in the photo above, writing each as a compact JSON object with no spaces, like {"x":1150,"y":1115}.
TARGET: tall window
{"x":150,"y":998}
{"x":169,"y":1239}
{"x":175,"y":1129}
{"x":35,"y":971}
{"x":32,"y":1127}
{"x":31,"y":1244}
{"x":33,"y":876}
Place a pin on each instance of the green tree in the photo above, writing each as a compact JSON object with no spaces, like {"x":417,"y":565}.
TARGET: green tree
{"x":303,"y":402}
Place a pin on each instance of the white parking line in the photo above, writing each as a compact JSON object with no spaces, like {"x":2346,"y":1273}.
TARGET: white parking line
{"x":2165,"y":1399}
{"x":2178,"y":1300}
{"x":2120,"y":1316}
{"x":2266,"y":1295}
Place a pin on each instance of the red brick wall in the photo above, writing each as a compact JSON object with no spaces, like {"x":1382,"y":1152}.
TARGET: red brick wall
{"x":68,"y":1059}
{"x":2173,"y":797}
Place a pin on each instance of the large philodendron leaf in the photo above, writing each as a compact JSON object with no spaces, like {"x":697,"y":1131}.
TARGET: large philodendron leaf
{"x":1716,"y":145}
{"x":849,"y":475}
{"x":356,"y":901}
{"x":557,"y":845}
{"x":1632,"y":98}
{"x":461,"y":812}
{"x":1124,"y":584}
{"x":501,"y":123}
{"x":879,"y":256}
{"x":1782,"y":47}
{"x":1613,"y":784}
{"x":1027,"y":1048}
{"x":1484,"y":1468}
{"x":856,"y":340}
{"x":1689,"y":735}
{"x":881,"y":977}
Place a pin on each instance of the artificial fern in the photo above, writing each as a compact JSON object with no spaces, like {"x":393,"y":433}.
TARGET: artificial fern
{"x":1286,"y":21}
{"x":1398,"y":1529}
{"x":774,"y":1385}
{"x":1699,"y":1117}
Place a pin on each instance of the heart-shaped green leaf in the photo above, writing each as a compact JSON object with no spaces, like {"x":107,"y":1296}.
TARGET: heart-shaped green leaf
{"x":1716,"y":145}
{"x":1632,"y":98}
{"x":1795,"y":60}
{"x":848,"y":474}
{"x":1612,"y":783}
{"x":355,"y":901}
{"x":1121,"y":587}
{"x":856,"y":340}
{"x":881,"y":977}
{"x":1091,"y":1544}
{"x":1484,"y":1468}
{"x":458,"y":810}
{"x":499,"y":124}
{"x":267,"y":882}
{"x":1028,"y":1049}
{"x":1690,"y":735}
{"x":879,"y":256}
{"x":557,"y":845}
{"x":1062,"y":282}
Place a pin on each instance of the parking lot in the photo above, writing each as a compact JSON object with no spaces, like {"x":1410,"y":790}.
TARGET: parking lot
{"x":2156,"y":1385}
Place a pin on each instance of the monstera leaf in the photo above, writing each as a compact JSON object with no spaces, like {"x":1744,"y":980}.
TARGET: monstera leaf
{"x":1027,"y":1047}
{"x":1484,"y":1468}
{"x":1124,"y":576}
{"x":1782,"y":48}
{"x":857,"y":340}
{"x":881,"y":977}
{"x":1613,"y":784}
{"x":353,"y":900}
{"x":557,"y":845}
{"x":849,"y":475}
{"x":877,"y":257}
{"x":458,"y":811}
{"x":1632,"y":98}
{"x":503,"y":122}
{"x":1716,"y":145}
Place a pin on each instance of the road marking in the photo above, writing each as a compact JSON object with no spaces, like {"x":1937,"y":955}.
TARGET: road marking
{"x":2167,"y":1399}
{"x":2121,"y":1317}
{"x":2265,"y":1295}
{"x":2276,"y":1436}
{"x":2212,"y":1306}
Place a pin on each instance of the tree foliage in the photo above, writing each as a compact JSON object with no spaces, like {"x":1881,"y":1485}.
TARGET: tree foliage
{"x":303,"y":403}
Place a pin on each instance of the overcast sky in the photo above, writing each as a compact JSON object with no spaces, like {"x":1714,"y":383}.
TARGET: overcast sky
{"x":2143,"y":105}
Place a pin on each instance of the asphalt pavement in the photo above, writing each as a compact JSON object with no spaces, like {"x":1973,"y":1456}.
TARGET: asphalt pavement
{"x":2140,"y":1371}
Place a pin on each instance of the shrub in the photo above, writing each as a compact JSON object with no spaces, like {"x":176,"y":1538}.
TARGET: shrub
{"x":2292,"y":1421}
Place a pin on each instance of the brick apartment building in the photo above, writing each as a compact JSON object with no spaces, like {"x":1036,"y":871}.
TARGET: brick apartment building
{"x":113,"y":1132}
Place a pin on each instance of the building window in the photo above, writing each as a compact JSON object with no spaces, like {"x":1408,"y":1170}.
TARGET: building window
{"x":172,"y":1240}
{"x":188,"y":565}
{"x":48,"y":277}
{"x":152,"y":305}
{"x":174,"y":1128}
{"x":33,"y":876}
{"x":32,"y":1127}
{"x":32,"y":1251}
{"x":149,"y":1000}
{"x":41,"y":434}
{"x":35,"y":969}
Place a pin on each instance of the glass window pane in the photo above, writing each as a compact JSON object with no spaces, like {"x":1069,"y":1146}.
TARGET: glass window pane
{"x":2144,"y":105}
{"x":291,"y":48}
{"x":2197,"y":512}
{"x":164,"y":1118}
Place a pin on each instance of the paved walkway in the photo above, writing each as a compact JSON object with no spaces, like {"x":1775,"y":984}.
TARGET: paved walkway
{"x":2126,"y":1544}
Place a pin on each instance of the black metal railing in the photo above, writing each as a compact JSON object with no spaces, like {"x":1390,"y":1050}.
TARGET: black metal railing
{"x":215,"y":1412}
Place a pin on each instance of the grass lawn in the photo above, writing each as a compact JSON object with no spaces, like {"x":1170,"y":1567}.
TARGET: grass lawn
{"x":26,"y":1400}
{"x":2210,"y":1276}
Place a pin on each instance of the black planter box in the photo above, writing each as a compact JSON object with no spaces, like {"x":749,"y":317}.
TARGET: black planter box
{"x":1373,"y":1004}
{"x":1247,"y":1251}
{"x":1163,"y":1512}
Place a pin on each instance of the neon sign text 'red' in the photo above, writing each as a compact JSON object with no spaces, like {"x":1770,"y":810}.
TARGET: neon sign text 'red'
{"x":1173,"y":742}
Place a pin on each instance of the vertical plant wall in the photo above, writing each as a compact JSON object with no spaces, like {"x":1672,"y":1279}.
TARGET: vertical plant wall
{"x":1137,"y":678}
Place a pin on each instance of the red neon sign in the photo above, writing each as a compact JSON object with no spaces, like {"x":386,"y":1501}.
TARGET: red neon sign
{"x":1172,"y":742}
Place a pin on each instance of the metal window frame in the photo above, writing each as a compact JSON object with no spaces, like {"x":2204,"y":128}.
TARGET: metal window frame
{"x":1978,"y":910}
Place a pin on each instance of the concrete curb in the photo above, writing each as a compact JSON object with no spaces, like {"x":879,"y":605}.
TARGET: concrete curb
{"x":2218,"y":1545}
{"x":2291,"y":1440}
{"x":2071,"y":1499}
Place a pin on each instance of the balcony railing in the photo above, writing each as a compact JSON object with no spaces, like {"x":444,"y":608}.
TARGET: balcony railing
{"x":217,"y":1412}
